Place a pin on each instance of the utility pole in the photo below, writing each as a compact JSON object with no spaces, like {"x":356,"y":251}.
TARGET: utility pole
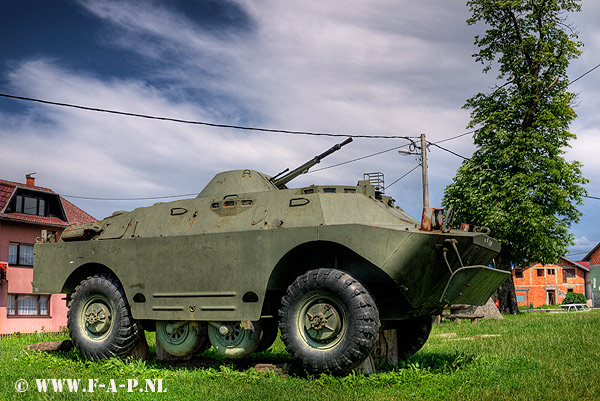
{"x":414,"y":149}
{"x":424,"y":171}
{"x":422,"y":153}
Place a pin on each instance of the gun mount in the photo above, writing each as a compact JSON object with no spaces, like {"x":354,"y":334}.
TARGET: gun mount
{"x":280,"y":182}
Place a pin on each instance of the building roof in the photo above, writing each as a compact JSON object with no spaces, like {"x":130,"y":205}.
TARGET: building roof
{"x":73,"y":214}
{"x":588,"y":257}
{"x":580,"y":265}
{"x":564,"y":262}
{"x":586,"y":264}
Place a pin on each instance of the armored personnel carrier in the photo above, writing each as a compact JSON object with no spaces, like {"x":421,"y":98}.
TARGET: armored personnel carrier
{"x":328,"y":265}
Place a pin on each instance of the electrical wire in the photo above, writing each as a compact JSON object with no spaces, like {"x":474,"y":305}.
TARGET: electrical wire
{"x":466,"y":158}
{"x":448,"y":150}
{"x":177,"y":120}
{"x":360,"y":158}
{"x":127,"y":199}
{"x":194,"y":194}
{"x":456,"y":137}
{"x":578,"y":253}
{"x":584,"y":74}
{"x":497,"y":89}
{"x":411,"y":170}
{"x":239,"y":127}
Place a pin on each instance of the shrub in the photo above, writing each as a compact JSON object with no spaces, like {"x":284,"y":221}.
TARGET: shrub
{"x":574,"y":298}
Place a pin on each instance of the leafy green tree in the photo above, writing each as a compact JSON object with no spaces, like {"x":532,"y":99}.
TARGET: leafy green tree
{"x":517,"y":182}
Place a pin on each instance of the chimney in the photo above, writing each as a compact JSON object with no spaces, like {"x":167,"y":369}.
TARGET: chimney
{"x":30,"y":179}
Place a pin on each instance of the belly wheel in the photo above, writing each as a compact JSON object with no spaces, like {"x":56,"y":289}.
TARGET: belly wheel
{"x":181,"y":338}
{"x":412,"y":334}
{"x":235,"y":340}
{"x":270,"y":329}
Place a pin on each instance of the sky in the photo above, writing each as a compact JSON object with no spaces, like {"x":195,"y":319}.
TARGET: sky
{"x":382,"y":67}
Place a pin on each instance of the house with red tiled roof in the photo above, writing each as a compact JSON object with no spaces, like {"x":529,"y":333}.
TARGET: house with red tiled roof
{"x":28,"y":212}
{"x":537,"y":285}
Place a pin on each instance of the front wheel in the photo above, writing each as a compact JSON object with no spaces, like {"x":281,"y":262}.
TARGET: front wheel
{"x":99,"y":319}
{"x":329,"y":321}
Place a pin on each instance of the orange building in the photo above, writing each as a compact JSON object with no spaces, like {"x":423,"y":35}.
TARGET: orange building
{"x":538,"y":285}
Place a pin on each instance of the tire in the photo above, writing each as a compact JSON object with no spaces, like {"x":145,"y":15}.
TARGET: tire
{"x":181,"y":338}
{"x":99,"y":319}
{"x":270,"y":328}
{"x":235,"y":342}
{"x":329,"y":321}
{"x":412,"y":334}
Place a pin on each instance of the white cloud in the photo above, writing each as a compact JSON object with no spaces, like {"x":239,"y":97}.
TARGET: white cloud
{"x":581,"y":247}
{"x":378,"y":67}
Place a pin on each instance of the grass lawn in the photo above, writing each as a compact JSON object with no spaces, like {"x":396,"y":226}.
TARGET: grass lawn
{"x":534,"y":356}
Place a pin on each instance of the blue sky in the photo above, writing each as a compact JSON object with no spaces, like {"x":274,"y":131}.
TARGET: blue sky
{"x":382,"y":67}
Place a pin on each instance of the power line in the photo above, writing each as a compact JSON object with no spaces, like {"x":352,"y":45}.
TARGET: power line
{"x":360,"y":158}
{"x":240,"y":127}
{"x":448,"y":150}
{"x":506,"y":83}
{"x":177,"y":120}
{"x":127,"y":199}
{"x":194,"y":194}
{"x":584,"y":74}
{"x":411,"y":170}
{"x":456,"y":137}
{"x":466,"y":158}
{"x":578,"y":253}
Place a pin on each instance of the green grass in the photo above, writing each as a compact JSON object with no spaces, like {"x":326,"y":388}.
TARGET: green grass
{"x":535,"y":357}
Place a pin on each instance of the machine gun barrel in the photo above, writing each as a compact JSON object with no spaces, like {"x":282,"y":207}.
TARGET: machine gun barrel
{"x":281,"y":181}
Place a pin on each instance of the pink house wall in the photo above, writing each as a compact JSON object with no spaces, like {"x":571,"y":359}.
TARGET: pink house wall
{"x":19,"y":280}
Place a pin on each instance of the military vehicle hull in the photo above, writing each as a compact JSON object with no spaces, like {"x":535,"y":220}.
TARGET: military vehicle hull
{"x":250,"y":258}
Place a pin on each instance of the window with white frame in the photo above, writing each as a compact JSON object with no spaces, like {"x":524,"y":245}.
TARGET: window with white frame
{"x":20,"y":254}
{"x":28,"y":305}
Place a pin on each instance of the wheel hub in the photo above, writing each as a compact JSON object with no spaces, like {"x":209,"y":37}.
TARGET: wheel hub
{"x":322,"y":321}
{"x":97,"y":318}
{"x":231,"y":335}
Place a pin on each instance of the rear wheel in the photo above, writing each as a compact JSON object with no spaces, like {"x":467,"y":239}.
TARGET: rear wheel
{"x":328,"y":321}
{"x":99,"y":318}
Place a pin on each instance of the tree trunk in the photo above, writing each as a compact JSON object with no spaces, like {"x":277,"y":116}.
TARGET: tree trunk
{"x":507,"y":298}
{"x":386,"y":348}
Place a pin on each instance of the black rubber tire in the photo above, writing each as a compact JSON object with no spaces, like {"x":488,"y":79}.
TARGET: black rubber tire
{"x":270,"y":330}
{"x":356,"y":321}
{"x":412,"y":334}
{"x":122,"y":332}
